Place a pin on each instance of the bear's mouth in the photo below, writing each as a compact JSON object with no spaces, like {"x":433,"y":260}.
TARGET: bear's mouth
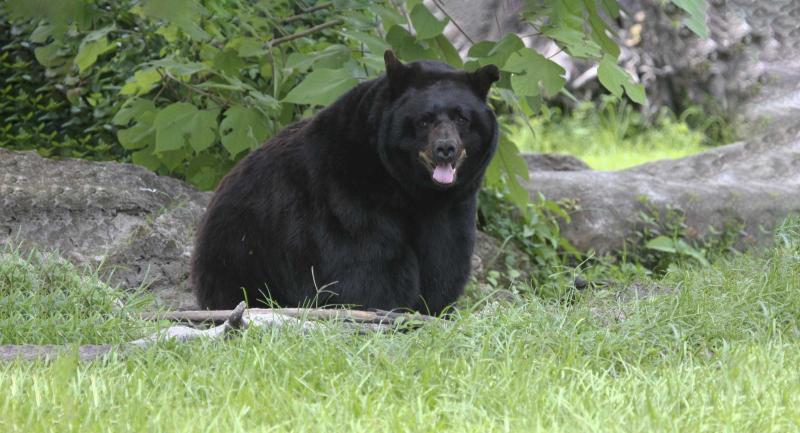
{"x":443,"y":172}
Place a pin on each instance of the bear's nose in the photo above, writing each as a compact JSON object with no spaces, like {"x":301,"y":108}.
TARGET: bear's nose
{"x":445,"y":148}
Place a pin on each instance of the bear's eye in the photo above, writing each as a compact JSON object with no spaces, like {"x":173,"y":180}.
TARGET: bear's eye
{"x":461,"y":119}
{"x":423,"y":123}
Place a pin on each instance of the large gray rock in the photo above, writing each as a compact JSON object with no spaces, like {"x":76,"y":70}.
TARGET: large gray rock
{"x":137,"y":225}
{"x":755,"y":184}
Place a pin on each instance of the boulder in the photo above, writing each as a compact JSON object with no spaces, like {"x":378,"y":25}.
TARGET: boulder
{"x":553,"y":162}
{"x":136,"y":226}
{"x":754,"y":184}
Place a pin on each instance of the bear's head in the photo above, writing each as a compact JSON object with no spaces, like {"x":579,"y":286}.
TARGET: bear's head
{"x":437,"y":131}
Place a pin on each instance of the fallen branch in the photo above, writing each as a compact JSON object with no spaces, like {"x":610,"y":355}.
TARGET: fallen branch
{"x":232,"y":320}
{"x":357,"y":316}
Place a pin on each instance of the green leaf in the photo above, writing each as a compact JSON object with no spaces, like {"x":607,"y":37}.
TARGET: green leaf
{"x":696,"y":21}
{"x":613,"y":78}
{"x":229,"y":62}
{"x":140,"y":134}
{"x":321,"y":87}
{"x":133,"y":109}
{"x":687,"y":250}
{"x":448,"y":52}
{"x":49,"y":55}
{"x":92,"y":46}
{"x":532,"y":70}
{"x":611,"y":7}
{"x":374,"y":44}
{"x":331,"y":57}
{"x":185,"y":14}
{"x":42,"y":33}
{"x":406,"y":45}
{"x":661,"y":243}
{"x":574,"y":42}
{"x":425,"y":24}
{"x":243,"y":128}
{"x":146,"y":158}
{"x":599,"y":35}
{"x":508,"y":161}
{"x":389,"y":17}
{"x":142,"y":82}
{"x":182,"y":123}
{"x":501,"y":51}
{"x":179,"y":67}
{"x":247,"y":47}
{"x":204,"y":171}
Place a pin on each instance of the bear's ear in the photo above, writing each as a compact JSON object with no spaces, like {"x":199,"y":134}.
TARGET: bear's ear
{"x":396,"y":71}
{"x":481,"y":80}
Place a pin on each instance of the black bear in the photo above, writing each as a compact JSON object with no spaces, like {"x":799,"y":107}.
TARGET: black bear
{"x":371,"y":203}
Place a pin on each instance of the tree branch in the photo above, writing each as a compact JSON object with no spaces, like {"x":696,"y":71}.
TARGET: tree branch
{"x":307,"y":11}
{"x":441,"y":8}
{"x":311,"y":30}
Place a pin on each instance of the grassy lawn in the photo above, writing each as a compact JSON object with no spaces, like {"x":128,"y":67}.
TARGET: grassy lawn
{"x":609,"y":138}
{"x":716,"y":350}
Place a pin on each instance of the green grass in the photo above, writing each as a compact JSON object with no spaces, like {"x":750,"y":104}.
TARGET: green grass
{"x":612,"y":137}
{"x":717,"y":351}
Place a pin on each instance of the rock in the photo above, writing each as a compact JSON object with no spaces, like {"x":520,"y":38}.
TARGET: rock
{"x":754,"y":183}
{"x":139,"y":226}
{"x":747,"y":69}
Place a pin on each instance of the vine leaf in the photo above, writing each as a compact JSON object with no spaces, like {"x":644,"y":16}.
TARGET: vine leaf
{"x":93,"y":45}
{"x":531,"y":70}
{"x":321,"y":87}
{"x":425,"y":24}
{"x":182,"y":123}
{"x":142,"y":82}
{"x":242,"y":129}
{"x":613,"y":78}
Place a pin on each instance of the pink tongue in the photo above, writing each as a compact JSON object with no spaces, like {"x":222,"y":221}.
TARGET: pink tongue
{"x":444,"y":174}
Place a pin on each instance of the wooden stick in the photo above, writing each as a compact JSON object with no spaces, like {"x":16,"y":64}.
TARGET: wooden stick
{"x":306,"y":11}
{"x":358,"y":316}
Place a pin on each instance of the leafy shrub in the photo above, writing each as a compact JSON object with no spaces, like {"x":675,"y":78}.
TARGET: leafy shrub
{"x":203,"y":82}
{"x":57,"y":115}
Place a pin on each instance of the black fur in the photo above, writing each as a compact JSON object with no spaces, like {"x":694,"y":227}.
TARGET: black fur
{"x":345,"y":201}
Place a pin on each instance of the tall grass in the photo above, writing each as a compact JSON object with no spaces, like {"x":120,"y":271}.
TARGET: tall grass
{"x":702,"y":349}
{"x":612,"y":136}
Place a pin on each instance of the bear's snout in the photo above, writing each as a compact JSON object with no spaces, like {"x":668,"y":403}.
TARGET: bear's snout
{"x":444,"y":142}
{"x":444,"y":149}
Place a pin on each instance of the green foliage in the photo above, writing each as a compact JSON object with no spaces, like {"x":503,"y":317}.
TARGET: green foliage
{"x":787,"y":235}
{"x":201,"y":82}
{"x":664,"y":239}
{"x":54,"y":109}
{"x":535,"y":231}
{"x":608,"y":135}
